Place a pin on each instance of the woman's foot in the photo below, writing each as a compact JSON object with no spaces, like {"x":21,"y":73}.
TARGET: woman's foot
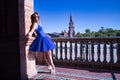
{"x":49,"y":67}
{"x":52,"y":71}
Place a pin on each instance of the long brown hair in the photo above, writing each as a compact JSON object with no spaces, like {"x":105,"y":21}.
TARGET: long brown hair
{"x":33,"y":17}
{"x":32,"y":21}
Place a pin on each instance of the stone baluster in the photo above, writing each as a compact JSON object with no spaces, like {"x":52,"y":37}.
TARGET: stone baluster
{"x":111,"y":52}
{"x":75,"y":51}
{"x":61,"y":50}
{"x":65,"y":50}
{"x":104,"y":52}
{"x":98,"y":49}
{"x":118,"y":52}
{"x":81,"y":51}
{"x":56,"y":50}
{"x":86,"y":51}
{"x":70,"y":50}
{"x":92,"y":48}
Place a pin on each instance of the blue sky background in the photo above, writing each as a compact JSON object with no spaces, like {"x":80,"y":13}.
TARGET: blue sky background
{"x":86,"y":14}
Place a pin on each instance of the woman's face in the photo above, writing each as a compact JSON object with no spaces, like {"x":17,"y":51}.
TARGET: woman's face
{"x":37,"y":18}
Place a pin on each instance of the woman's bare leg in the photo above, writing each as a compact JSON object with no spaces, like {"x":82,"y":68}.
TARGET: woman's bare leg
{"x":50,"y":60}
{"x":46,"y":59}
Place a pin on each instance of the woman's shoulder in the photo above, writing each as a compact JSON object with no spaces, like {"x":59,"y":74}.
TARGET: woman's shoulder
{"x":35,"y":25}
{"x":40,"y":25}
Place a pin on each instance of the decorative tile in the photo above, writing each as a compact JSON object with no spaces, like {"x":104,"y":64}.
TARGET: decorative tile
{"x":57,"y":77}
{"x":45,"y":76}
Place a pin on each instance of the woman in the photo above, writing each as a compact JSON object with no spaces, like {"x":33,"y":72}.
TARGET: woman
{"x":42,"y":44}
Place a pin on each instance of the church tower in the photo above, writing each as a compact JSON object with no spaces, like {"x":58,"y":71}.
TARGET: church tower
{"x":71,"y":31}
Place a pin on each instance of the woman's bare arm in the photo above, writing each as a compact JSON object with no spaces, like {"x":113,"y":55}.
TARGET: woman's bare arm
{"x":33,"y":27}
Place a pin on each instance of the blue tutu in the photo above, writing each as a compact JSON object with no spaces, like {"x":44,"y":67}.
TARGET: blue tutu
{"x":42,"y":43}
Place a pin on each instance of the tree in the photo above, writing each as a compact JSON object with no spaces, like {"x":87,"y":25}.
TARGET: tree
{"x":108,"y":32}
{"x":87,"y":30}
{"x":92,"y":34}
{"x":78,"y":34}
{"x":97,"y":34}
{"x":118,"y":34}
{"x":102,"y":30}
{"x":87,"y":33}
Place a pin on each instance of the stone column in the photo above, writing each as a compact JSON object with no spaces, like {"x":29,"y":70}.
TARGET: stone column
{"x":28,"y":66}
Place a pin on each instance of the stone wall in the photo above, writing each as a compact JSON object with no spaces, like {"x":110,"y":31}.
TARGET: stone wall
{"x":15,"y":23}
{"x":26,"y":8}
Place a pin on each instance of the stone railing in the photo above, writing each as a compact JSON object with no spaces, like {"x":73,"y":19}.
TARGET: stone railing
{"x":86,"y":52}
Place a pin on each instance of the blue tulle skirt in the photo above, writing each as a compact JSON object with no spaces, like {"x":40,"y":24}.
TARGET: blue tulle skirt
{"x":42,"y":44}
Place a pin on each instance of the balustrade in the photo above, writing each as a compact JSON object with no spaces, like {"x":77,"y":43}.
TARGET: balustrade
{"x":87,"y":51}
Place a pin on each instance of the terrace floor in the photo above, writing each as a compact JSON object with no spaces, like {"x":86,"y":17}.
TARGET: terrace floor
{"x":67,"y":73}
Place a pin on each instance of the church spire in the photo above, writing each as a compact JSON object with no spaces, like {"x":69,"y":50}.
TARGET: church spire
{"x":71,"y":18}
{"x":71,"y":21}
{"x":71,"y":32}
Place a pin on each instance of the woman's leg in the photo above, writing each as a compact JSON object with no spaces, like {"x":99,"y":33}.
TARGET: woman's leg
{"x":50,"y":60}
{"x":46,"y":59}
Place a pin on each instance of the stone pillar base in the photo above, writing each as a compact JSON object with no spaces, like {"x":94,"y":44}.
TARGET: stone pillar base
{"x":31,"y":65}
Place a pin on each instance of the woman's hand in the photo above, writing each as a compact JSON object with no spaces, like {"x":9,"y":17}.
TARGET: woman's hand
{"x":28,"y":36}
{"x":34,"y":34}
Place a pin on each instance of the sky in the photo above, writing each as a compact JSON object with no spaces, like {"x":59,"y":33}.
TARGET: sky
{"x":86,"y":14}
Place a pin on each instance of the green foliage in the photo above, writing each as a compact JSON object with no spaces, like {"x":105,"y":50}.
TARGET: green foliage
{"x":78,"y":34}
{"x":108,"y":32}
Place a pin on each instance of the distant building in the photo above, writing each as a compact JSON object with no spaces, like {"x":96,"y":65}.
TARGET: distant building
{"x":71,"y":31}
{"x":64,"y":34}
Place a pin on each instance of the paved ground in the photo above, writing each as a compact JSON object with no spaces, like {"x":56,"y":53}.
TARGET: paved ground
{"x":65,"y":73}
